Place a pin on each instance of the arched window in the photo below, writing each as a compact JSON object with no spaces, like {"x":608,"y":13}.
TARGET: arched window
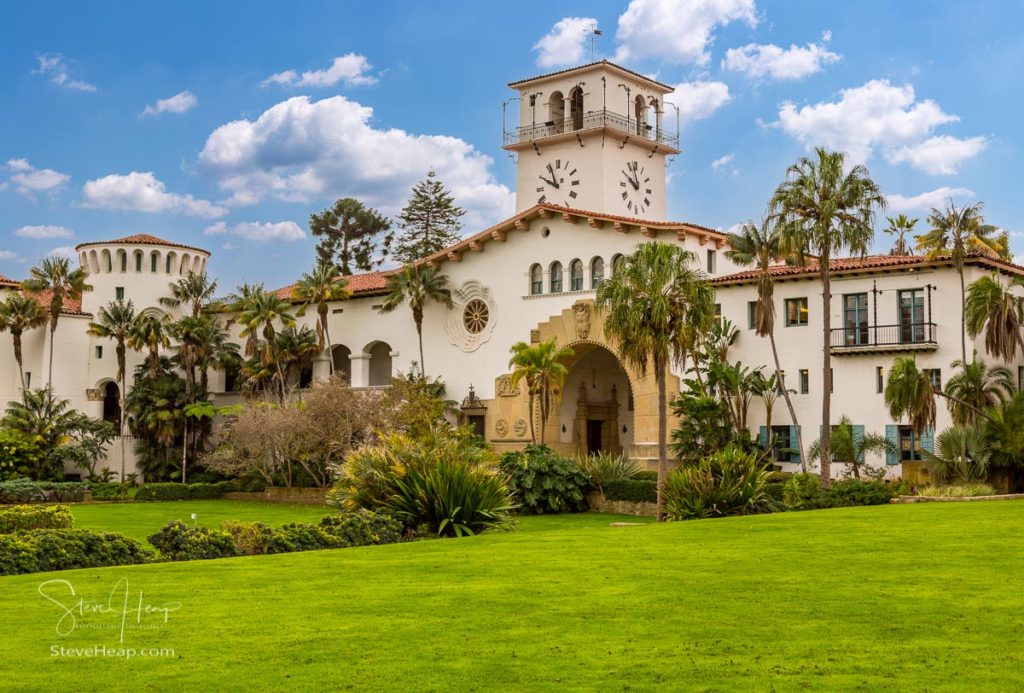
{"x":108,"y":265}
{"x":536,"y":280}
{"x":94,"y":262}
{"x":555,"y":278}
{"x":171,"y":266}
{"x":112,"y":405}
{"x":186,"y":264}
{"x":380,"y":364}
{"x":617,"y":261}
{"x":341,"y":356}
{"x":138,"y":260}
{"x":576,"y":107}
{"x":556,"y":112}
{"x":122,"y":260}
{"x":640,"y":113}
{"x":656,"y":111}
{"x":596,"y":272}
{"x":576,"y":275}
{"x":154,"y":262}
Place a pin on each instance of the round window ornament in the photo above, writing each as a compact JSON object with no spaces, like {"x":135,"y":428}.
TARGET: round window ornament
{"x":545,"y":232}
{"x":475,"y":316}
{"x":471,"y":322}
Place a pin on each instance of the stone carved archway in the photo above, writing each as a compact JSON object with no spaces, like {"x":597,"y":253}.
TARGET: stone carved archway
{"x":581,"y":327}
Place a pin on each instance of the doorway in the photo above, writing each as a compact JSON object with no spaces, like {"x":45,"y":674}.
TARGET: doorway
{"x":594,"y":427}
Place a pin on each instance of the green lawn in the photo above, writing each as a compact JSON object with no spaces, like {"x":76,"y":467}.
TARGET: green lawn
{"x":906,"y":597}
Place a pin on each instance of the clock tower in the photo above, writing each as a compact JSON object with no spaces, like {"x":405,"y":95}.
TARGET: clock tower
{"x":593,"y":138}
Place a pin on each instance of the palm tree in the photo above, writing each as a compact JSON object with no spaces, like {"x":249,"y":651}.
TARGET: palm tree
{"x":115,"y":321}
{"x":962,"y":456}
{"x":150,"y":331}
{"x":649,"y":304}
{"x":293,"y":348}
{"x":543,"y":368}
{"x":195,"y":290}
{"x":976,"y":388}
{"x":258,"y":314}
{"x":910,"y":392}
{"x":823,"y":209}
{"x":418,"y":285}
{"x":17,"y":314}
{"x":55,"y":276}
{"x":321,"y":287}
{"x":761,"y":246}
{"x":900,"y":227}
{"x":848,"y":448}
{"x":956,"y":232}
{"x":992,"y":308}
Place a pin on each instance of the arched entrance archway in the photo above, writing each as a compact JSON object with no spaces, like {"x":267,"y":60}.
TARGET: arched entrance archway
{"x":595,"y":412}
{"x":112,"y":405}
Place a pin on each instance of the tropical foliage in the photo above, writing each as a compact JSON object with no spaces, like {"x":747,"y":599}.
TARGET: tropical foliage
{"x":417,"y":285}
{"x":729,"y":482}
{"x":55,"y":278}
{"x":851,"y":449}
{"x":542,"y":367}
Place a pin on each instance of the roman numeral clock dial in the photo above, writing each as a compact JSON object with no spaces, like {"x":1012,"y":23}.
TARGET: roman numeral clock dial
{"x":636,"y":188}
{"x":558,"y":183}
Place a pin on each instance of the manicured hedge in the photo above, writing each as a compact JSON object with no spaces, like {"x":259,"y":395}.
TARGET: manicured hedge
{"x":180,"y":542}
{"x":65,"y":549}
{"x":110,"y":490}
{"x":27,"y":491}
{"x":21,"y":518}
{"x":633,"y":490}
{"x":172,"y":491}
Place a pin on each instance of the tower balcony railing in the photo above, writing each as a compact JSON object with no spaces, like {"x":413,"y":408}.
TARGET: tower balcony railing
{"x":917,"y":336}
{"x":588,"y":121}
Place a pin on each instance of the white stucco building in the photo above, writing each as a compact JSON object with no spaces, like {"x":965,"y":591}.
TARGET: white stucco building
{"x":591,"y":145}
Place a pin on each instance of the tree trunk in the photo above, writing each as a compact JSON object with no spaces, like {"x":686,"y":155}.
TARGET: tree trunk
{"x":789,"y":403}
{"x":330,"y":351}
{"x":49,"y":375}
{"x":184,"y":449}
{"x":963,"y":317}
{"x":419,"y":334}
{"x":662,"y":440}
{"x":533,"y":431}
{"x":120,"y":425}
{"x":826,"y":379}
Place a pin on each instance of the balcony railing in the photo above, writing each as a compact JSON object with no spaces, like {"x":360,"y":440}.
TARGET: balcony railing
{"x":905,"y":337}
{"x":590,"y":120}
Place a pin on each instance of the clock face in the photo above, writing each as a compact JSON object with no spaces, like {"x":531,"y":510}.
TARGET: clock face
{"x":558,"y":183}
{"x":636,"y":188}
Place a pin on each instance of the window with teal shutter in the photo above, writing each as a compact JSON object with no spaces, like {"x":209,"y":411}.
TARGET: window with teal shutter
{"x":762,"y":437}
{"x":858,"y":438}
{"x":795,"y":455}
{"x":928,"y":440}
{"x":892,"y":434}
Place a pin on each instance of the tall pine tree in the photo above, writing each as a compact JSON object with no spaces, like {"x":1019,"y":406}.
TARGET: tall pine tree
{"x":429,"y":221}
{"x":353,"y":237}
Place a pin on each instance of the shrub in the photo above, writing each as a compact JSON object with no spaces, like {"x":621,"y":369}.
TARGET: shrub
{"x":298,"y":536}
{"x":64,"y":549}
{"x":802,"y":492}
{"x":20,"y":518}
{"x":603,"y":468}
{"x":851,"y":492}
{"x":543,"y":482}
{"x":632,"y":490}
{"x":179,"y":542}
{"x":250,"y":538}
{"x":110,"y":491}
{"x":441,"y":480}
{"x":19,"y":454}
{"x":359,"y":528}
{"x":25,"y":491}
{"x":959,"y":491}
{"x":174,"y":491}
{"x":729,"y":482}
{"x":363,"y":528}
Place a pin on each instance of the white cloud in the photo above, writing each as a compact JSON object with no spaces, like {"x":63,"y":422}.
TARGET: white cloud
{"x":796,"y":62}
{"x":283,"y":231}
{"x":880,"y":116}
{"x":65,"y":251}
{"x":142,"y":192}
{"x":722,"y":161}
{"x":44,"y":232}
{"x":53,"y":66}
{"x":926,"y":200}
{"x":28,"y":179}
{"x":564,"y":44}
{"x":8,"y":255}
{"x":216,"y":228}
{"x":311,"y":151}
{"x":677,"y":31}
{"x":350,"y":69}
{"x":179,"y":103}
{"x":697,"y":100}
{"x":938,"y":155}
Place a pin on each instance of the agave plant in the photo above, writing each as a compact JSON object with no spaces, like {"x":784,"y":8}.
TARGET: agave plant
{"x":730,"y":482}
{"x":603,"y":467}
{"x":961,"y":457}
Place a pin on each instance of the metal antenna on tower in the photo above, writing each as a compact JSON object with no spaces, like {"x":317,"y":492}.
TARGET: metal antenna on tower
{"x":594,"y":33}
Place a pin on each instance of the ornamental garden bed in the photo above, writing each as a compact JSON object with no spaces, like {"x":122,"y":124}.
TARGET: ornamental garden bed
{"x":952,"y":499}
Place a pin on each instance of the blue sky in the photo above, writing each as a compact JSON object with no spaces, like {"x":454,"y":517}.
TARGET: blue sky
{"x":226,"y":124}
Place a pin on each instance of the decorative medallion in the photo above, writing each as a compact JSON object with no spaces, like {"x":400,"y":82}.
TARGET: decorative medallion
{"x":520,"y":427}
{"x":505,"y":386}
{"x":94,"y":394}
{"x":501,"y":428}
{"x":581,"y":317}
{"x":534,"y":336}
{"x":471,"y":321}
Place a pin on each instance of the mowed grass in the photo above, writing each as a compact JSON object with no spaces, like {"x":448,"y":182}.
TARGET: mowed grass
{"x":908,"y":597}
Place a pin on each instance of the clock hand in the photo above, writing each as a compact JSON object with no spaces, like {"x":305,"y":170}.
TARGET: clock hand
{"x":553,"y":183}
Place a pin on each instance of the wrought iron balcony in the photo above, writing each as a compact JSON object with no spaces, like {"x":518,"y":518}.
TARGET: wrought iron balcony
{"x":918,"y":336}
{"x":589,"y":121}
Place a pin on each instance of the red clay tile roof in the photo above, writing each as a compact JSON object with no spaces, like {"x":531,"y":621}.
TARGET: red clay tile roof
{"x":586,"y":66}
{"x":71,"y":306}
{"x":358,"y":284}
{"x":866,"y":263}
{"x":7,"y":281}
{"x":142,"y":239}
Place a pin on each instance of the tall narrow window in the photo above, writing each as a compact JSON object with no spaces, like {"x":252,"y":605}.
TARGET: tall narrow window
{"x":536,"y":280}
{"x":711,"y":261}
{"x":782,"y":450}
{"x":99,"y":352}
{"x":138,"y":260}
{"x":935,"y":374}
{"x":154,"y":259}
{"x":879,"y":379}
{"x":576,"y":275}
{"x":796,"y":312}
{"x":855,"y":319}
{"x":119,"y":293}
{"x":555,"y":278}
{"x":718,"y":313}
{"x":617,"y":262}
{"x":805,"y":381}
{"x":909,"y":445}
{"x":911,"y":307}
{"x":596,"y":272}
{"x":752,"y":314}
